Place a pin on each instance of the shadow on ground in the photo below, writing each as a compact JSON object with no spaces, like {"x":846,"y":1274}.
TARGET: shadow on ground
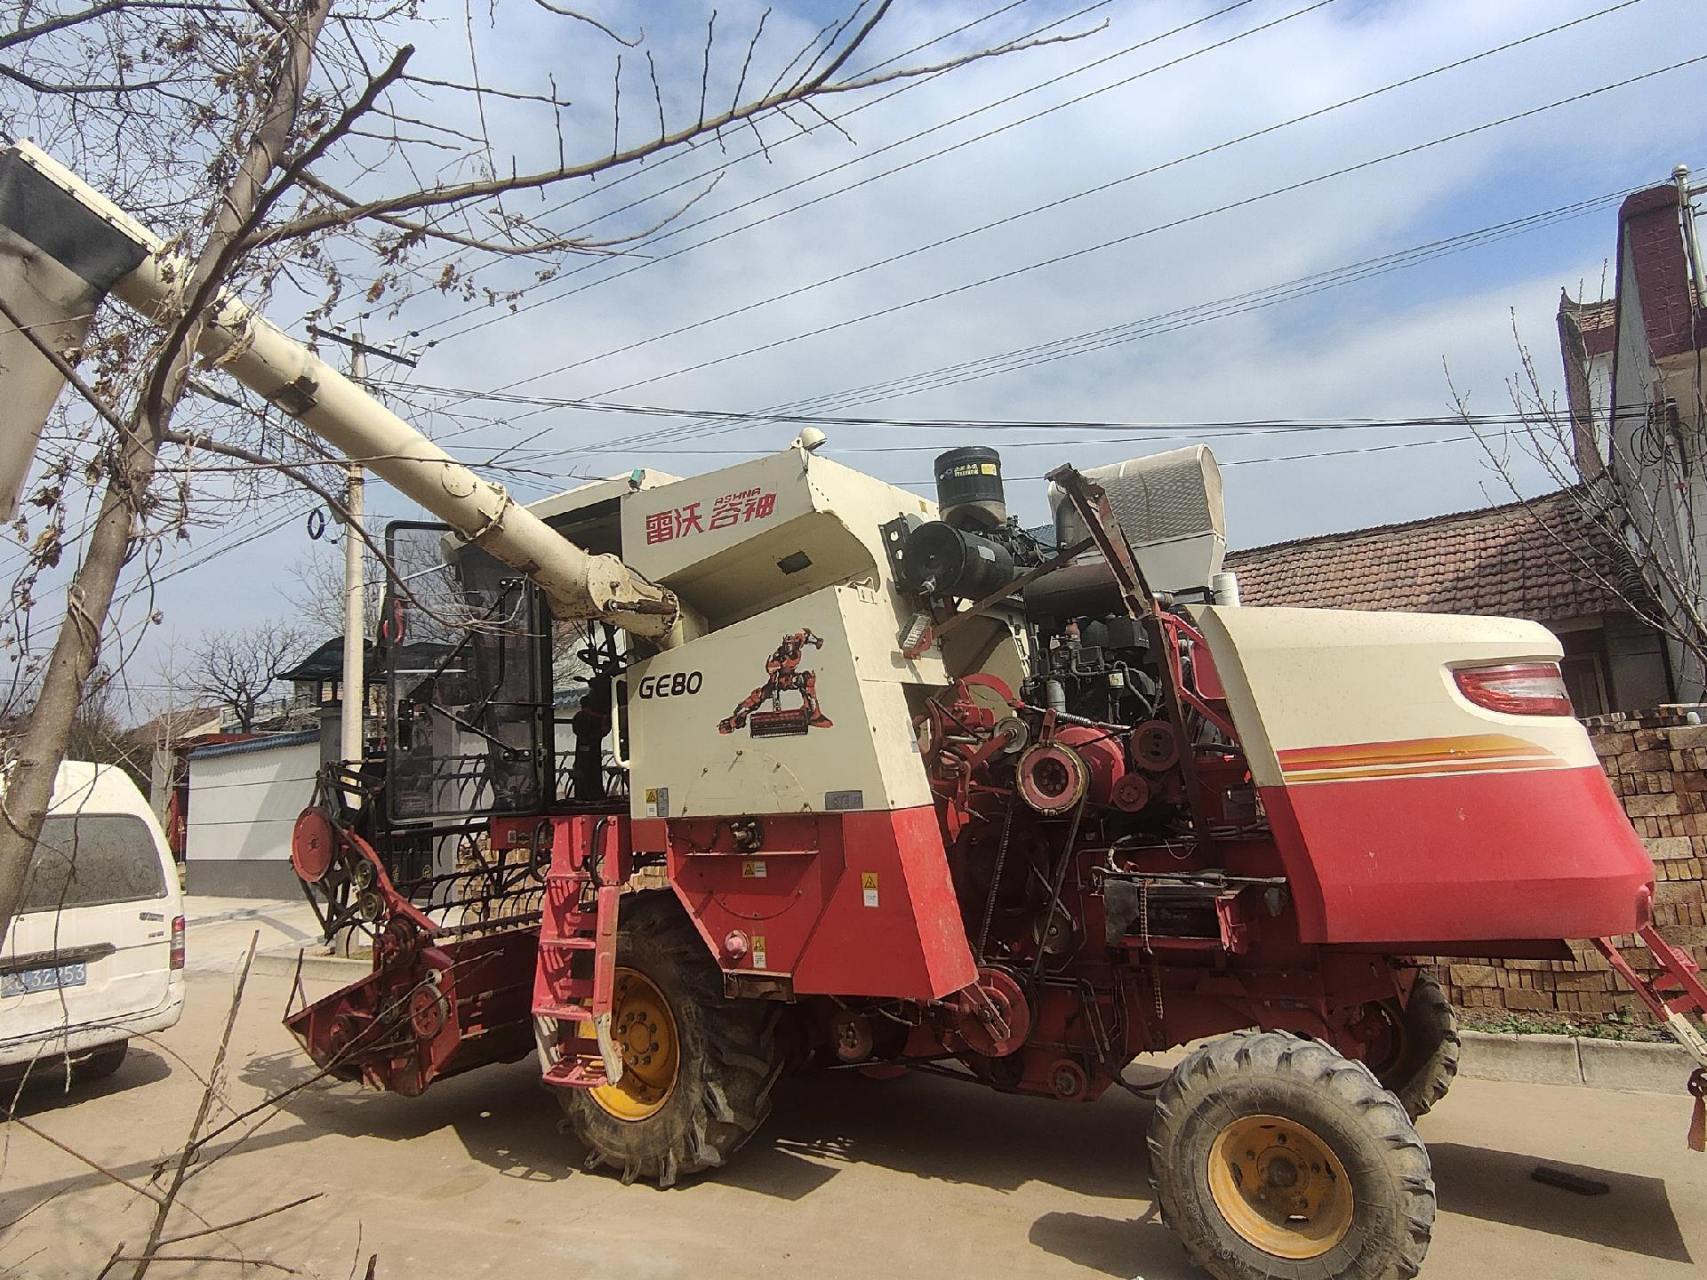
{"x":45,"y":1089}
{"x":957,"y":1131}
{"x":1137,"y":1248}
{"x":1635,"y":1216}
{"x":923,"y":1126}
{"x":926,"y":1126}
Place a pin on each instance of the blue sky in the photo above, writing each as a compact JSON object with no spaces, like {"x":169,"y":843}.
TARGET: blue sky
{"x":1375,"y":348}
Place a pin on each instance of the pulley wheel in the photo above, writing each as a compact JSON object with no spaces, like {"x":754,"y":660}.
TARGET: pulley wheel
{"x":1131,"y":793}
{"x":1052,"y":778}
{"x":1004,"y":999}
{"x":395,"y":942}
{"x":1014,"y":735}
{"x":313,"y":846}
{"x":1155,"y":746}
{"x":427,"y":1011}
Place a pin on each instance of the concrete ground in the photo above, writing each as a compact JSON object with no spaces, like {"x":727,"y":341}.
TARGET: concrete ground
{"x":218,"y":930}
{"x":851,"y":1177}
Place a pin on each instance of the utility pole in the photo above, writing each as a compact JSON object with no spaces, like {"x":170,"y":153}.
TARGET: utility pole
{"x":352,"y":745}
{"x":352,"y":741}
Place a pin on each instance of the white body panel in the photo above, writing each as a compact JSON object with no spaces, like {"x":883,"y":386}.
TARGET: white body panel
{"x":867,"y":757}
{"x":130,"y":988}
{"x":723,"y":541}
{"x":1301,"y":679}
{"x":762,"y":552}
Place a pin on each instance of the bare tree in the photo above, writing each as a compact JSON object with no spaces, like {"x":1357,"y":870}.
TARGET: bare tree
{"x":292,"y":153}
{"x":316,"y":590}
{"x":237,"y":670}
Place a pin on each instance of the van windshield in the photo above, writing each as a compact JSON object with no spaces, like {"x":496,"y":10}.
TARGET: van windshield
{"x":91,"y":860}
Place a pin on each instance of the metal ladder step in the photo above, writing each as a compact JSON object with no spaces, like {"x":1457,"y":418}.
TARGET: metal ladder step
{"x":578,"y":1000}
{"x":564,"y":1012}
{"x":579,"y":1071}
{"x":571,"y":942}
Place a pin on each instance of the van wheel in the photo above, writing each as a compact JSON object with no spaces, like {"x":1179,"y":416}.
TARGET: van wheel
{"x":1274,"y":1156}
{"x":101,"y":1063}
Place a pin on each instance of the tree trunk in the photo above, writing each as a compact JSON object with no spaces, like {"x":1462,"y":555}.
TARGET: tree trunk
{"x":41,"y":747}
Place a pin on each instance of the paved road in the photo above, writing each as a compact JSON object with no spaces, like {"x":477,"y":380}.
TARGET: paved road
{"x":852,"y":1178}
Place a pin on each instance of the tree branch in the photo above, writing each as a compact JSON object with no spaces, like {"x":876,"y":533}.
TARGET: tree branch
{"x":461,"y":193}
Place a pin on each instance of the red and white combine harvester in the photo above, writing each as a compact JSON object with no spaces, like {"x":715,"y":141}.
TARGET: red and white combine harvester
{"x":853,"y":778}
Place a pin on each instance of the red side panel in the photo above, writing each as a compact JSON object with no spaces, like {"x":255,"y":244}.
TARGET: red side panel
{"x":1541,"y":853}
{"x":852,"y":904}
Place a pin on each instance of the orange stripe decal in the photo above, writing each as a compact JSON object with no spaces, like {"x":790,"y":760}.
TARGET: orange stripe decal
{"x":1467,"y":754}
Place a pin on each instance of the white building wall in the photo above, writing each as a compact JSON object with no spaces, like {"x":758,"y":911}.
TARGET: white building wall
{"x":244,"y":802}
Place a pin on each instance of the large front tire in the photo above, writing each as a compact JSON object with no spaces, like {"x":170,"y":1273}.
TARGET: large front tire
{"x":698,"y":1067}
{"x":1273,"y":1155}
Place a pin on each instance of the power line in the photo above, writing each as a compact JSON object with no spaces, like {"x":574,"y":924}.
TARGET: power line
{"x":1184,"y":220}
{"x":900,"y":142}
{"x":985,"y":366}
{"x":1149,"y":326}
{"x":1246,"y":425}
{"x":1076,"y":253}
{"x":730,"y":163}
{"x":1034,"y":210}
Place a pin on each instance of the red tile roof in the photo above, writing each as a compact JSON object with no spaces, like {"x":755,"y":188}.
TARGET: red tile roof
{"x":1542,"y":559}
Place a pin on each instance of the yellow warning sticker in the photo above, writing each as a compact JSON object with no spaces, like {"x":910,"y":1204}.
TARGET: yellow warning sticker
{"x":868,"y":887}
{"x":758,"y":951}
{"x":753,"y":869}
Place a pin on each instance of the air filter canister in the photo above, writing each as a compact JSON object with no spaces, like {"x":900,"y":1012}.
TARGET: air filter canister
{"x":969,"y":487}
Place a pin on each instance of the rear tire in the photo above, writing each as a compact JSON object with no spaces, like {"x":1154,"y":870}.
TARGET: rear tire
{"x":1418,"y":1067}
{"x":101,"y":1063}
{"x":1273,"y":1155}
{"x":725,"y":1055}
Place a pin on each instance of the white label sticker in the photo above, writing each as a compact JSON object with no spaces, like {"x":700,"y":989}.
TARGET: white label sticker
{"x":868,"y":887}
{"x":753,"y":869}
{"x":758,"y":951}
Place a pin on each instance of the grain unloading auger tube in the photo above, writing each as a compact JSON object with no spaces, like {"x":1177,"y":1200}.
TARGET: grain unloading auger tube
{"x":68,"y":245}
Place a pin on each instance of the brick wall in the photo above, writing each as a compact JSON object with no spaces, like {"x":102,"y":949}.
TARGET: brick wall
{"x":1657,"y":762}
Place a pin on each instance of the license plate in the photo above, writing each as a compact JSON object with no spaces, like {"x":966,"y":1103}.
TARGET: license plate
{"x":33,"y":980}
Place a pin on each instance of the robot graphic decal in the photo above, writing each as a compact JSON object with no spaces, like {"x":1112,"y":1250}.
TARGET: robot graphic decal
{"x":783,"y":674}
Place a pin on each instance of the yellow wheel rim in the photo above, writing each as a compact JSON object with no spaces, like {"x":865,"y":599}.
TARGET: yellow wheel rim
{"x":1280,"y":1187}
{"x":644,"y":1032}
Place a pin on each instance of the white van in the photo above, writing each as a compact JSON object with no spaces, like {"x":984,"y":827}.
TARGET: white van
{"x":96,"y":953}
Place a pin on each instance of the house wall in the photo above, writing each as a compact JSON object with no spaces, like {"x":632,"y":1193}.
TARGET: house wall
{"x":1657,"y":763}
{"x":1659,"y":468}
{"x":1637,"y":664}
{"x":244,"y":802}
